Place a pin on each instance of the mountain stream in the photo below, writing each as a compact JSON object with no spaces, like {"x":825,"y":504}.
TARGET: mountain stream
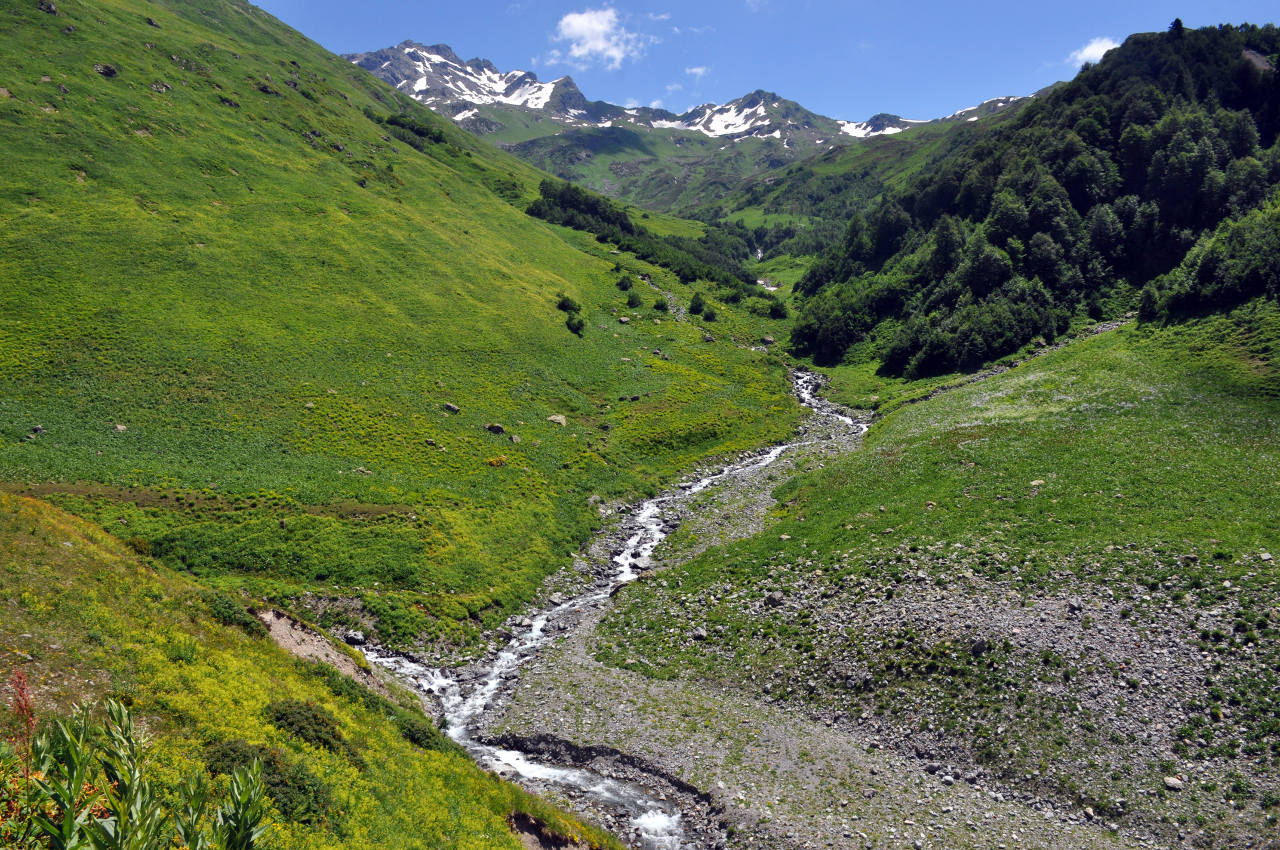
{"x":655,"y":819}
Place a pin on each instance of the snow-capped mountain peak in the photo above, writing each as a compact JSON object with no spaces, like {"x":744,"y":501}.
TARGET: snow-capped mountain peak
{"x":475,"y":92}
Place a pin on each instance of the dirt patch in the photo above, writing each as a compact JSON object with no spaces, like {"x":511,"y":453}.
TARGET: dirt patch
{"x":306,"y":643}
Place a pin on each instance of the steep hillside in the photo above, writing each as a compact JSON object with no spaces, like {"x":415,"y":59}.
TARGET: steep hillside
{"x":289,"y":331}
{"x":1067,"y":211}
{"x":85,"y":618}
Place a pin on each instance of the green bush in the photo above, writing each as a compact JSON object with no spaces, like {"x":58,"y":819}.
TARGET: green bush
{"x":309,"y":722}
{"x":633,"y":299}
{"x":697,"y":304}
{"x":227,"y":611}
{"x":298,"y":795}
{"x":661,"y":305}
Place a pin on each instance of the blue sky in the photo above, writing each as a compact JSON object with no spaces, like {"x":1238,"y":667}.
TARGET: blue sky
{"x":848,"y":60}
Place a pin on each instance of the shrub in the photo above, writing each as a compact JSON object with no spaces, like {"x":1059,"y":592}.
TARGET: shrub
{"x":567,"y":304}
{"x":697,"y":304}
{"x":182,"y":649}
{"x":709,"y":314}
{"x":309,"y":722}
{"x":625,"y":283}
{"x":661,"y":305}
{"x":231,"y":613}
{"x":575,"y":324}
{"x":298,"y":795}
{"x":633,"y":299}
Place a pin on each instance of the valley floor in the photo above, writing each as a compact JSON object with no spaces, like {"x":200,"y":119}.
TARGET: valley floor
{"x":783,"y":691}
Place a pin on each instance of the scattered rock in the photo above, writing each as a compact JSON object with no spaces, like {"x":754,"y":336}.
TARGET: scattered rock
{"x":622,"y":320}
{"x":151,"y":22}
{"x":106,"y":70}
{"x":768,"y":340}
{"x":495,"y":428}
{"x":4,"y":92}
{"x":47,"y":6}
{"x":708,"y":338}
{"x":699,"y":633}
{"x":1173,"y":783}
{"x":120,"y":429}
{"x":558,"y":419}
{"x":1266,"y":556}
{"x":452,"y":408}
{"x":354,"y":637}
{"x":160,"y":87}
{"x":774,"y":599}
{"x":1039,"y":482}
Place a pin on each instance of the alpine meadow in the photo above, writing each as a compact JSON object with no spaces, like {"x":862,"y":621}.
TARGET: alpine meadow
{"x":401,"y":452}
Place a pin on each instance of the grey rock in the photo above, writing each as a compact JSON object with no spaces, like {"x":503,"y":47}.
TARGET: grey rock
{"x":452,"y":408}
{"x":495,"y":428}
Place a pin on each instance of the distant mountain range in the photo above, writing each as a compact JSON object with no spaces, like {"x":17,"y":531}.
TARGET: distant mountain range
{"x":628,"y":151}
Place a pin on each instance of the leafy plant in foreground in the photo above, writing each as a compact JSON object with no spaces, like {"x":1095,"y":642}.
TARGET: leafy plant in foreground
{"x":80,"y":785}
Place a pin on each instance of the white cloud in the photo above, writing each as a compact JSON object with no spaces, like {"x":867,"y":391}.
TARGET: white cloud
{"x":663,"y":16}
{"x":597,"y":35}
{"x":1092,"y":52}
{"x":656,"y":103}
{"x":673,"y":87}
{"x":698,"y":71}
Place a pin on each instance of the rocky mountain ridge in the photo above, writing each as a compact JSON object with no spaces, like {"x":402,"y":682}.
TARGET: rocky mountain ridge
{"x":475,"y":94}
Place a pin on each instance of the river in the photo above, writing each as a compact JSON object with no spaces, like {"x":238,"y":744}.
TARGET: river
{"x":465,"y":701}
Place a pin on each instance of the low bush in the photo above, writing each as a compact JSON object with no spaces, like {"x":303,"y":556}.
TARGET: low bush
{"x":299,"y":796}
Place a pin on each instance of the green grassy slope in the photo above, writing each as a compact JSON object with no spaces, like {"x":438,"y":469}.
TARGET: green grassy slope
{"x":237,"y":305}
{"x":1137,"y":471}
{"x":86,"y":618}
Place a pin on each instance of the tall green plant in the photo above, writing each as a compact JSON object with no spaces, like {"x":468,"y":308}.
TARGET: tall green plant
{"x":84,"y":787}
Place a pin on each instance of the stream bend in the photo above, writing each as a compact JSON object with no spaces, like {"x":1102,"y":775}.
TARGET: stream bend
{"x":465,"y":698}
